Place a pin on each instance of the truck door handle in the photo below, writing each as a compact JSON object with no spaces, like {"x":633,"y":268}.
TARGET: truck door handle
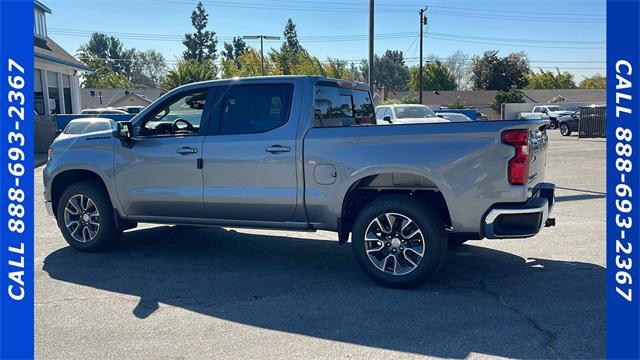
{"x":275,"y":149}
{"x":186,"y":150}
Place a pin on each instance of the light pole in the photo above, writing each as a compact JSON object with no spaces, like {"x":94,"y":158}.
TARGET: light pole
{"x":371,"y":38}
{"x":262,"y":38}
{"x":423,"y":21}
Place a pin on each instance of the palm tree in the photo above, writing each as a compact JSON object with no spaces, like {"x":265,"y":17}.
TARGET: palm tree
{"x":189,"y":71}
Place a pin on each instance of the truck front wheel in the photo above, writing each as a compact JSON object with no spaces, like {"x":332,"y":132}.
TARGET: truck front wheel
{"x":85,"y":218}
{"x":398,"y":241}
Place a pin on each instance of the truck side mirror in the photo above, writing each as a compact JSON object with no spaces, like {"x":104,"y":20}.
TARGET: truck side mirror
{"x":122,"y":131}
{"x":387,"y":119}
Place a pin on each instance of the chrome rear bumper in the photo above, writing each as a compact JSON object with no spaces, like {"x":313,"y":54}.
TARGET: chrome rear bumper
{"x":521,"y":220}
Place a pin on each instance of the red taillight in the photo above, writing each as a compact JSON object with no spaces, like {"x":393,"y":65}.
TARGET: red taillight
{"x":519,"y":164}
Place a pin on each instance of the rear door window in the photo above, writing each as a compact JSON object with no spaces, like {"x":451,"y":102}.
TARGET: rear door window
{"x":250,"y":109}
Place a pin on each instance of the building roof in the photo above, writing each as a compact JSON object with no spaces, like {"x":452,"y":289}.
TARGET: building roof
{"x":570,"y":95}
{"x":49,"y":50}
{"x":91,"y":98}
{"x":41,"y":6}
{"x":130,"y":100}
{"x":475,"y":98}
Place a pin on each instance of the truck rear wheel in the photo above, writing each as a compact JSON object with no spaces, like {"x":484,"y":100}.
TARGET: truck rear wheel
{"x":85,"y":218}
{"x":398,"y":241}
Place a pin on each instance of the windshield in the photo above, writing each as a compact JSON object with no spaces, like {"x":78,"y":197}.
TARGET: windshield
{"x":407,"y":112}
{"x":553,"y":108}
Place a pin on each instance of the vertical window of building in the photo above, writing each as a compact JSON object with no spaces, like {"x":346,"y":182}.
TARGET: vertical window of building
{"x":66,"y":92}
{"x":54,"y":94}
{"x":38,"y":95}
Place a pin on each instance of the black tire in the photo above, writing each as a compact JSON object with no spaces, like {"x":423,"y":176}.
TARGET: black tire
{"x":564,"y":129}
{"x":105,"y":235}
{"x":432,"y":233}
{"x":553,"y":123}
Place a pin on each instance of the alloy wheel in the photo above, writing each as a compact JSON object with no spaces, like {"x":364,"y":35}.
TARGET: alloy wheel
{"x":81,"y":218}
{"x":394,"y":244}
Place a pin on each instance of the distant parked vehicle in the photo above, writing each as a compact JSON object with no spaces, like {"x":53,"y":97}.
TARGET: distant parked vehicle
{"x":85,"y":126}
{"x":554,"y":112}
{"x":569,"y":124}
{"x":454,"y":117}
{"x":532,"y":116}
{"x":103,"y":111}
{"x":406,"y":114}
{"x":132,"y":109}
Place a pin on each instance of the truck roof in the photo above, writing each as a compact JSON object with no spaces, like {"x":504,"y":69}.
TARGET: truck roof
{"x":314,"y":78}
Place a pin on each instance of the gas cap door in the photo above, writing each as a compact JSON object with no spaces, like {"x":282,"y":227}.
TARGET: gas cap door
{"x":325,"y":174}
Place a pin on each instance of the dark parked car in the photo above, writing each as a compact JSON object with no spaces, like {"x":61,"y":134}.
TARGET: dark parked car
{"x":568,"y":124}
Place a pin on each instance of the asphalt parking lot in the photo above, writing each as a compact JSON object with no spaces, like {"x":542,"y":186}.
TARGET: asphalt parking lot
{"x":181,"y":292}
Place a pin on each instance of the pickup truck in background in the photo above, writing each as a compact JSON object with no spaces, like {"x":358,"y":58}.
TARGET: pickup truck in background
{"x":554,"y":112}
{"x":303,"y":153}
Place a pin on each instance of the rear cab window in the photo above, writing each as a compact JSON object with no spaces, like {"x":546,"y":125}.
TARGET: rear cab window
{"x":336,"y":106}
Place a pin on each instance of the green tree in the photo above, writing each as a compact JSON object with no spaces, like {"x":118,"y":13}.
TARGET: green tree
{"x":201,"y":45}
{"x":338,"y":69}
{"x":305,"y":64}
{"x":391,"y":71}
{"x":458,"y":65}
{"x":458,"y":103}
{"x":557,"y":99}
{"x":107,"y":56}
{"x":551,"y":80}
{"x":248,"y":64}
{"x":291,"y":38}
{"x":510,"y":96}
{"x":188,"y":71}
{"x":235,"y":49}
{"x":290,"y":52}
{"x":407,"y":99}
{"x":104,"y":77}
{"x":435,"y":76}
{"x":597,"y":81}
{"x":148,"y":69}
{"x":491,"y":72}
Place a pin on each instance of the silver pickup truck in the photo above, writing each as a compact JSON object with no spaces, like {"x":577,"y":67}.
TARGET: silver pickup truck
{"x":303,"y":153}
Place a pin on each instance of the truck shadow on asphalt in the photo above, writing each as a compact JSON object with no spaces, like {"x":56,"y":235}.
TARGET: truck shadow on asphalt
{"x":483,"y":301}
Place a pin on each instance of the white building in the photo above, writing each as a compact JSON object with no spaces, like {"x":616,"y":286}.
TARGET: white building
{"x":57,"y":78}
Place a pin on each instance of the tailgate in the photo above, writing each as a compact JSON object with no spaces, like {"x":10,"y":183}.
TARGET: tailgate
{"x":538,"y":144}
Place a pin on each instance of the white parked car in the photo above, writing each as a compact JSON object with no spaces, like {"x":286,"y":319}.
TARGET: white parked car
{"x":103,"y":111}
{"x":85,"y":126}
{"x":406,"y":114}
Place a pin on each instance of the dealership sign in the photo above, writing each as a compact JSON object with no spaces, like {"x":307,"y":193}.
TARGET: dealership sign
{"x":16,"y":179}
{"x":623,"y":179}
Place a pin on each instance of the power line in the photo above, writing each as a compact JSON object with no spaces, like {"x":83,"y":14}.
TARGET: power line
{"x":394,"y":9}
{"x":397,"y":4}
{"x":345,"y":37}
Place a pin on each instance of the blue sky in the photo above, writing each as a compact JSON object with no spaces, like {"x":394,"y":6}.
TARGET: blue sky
{"x":568,"y":34}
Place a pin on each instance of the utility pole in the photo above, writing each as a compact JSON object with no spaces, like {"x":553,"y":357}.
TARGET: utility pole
{"x":262,"y":38}
{"x":371,"y":52}
{"x":423,"y":22}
